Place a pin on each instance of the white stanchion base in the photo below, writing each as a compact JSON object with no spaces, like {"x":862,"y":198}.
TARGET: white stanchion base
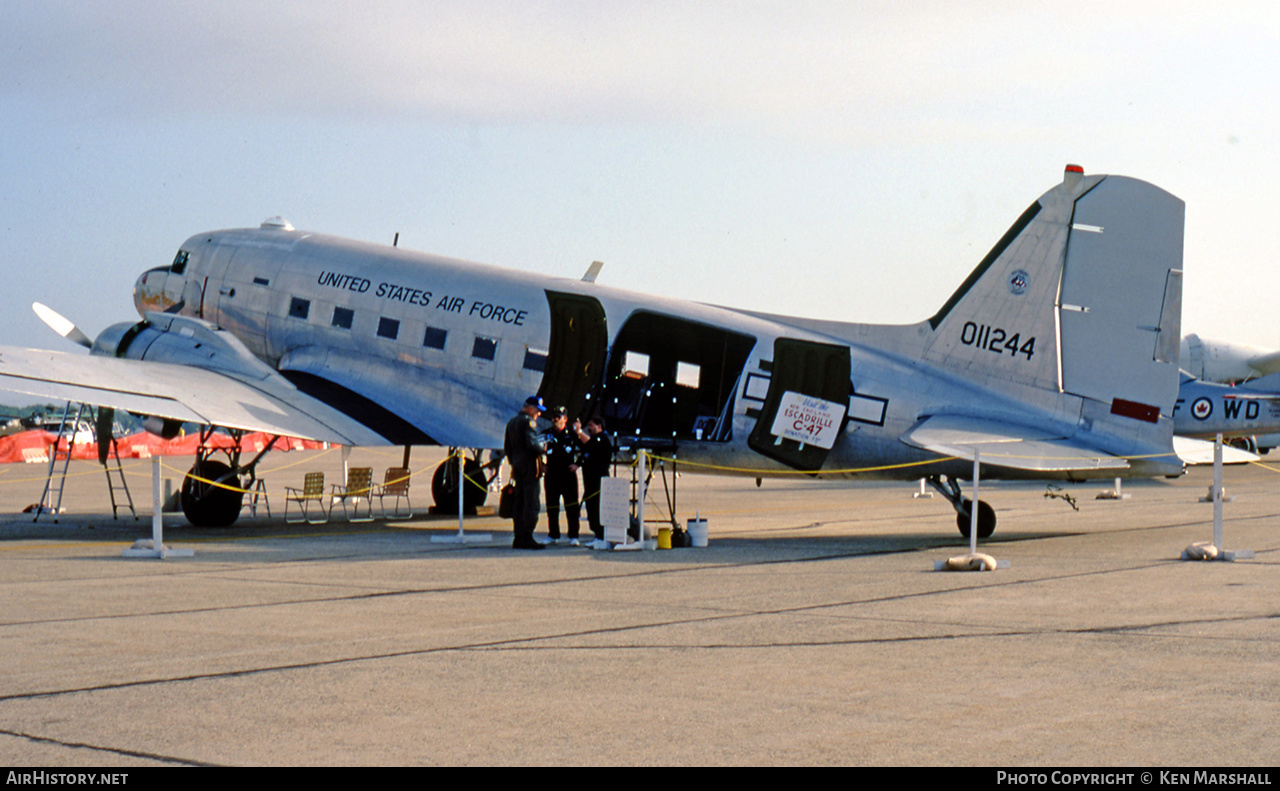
{"x":145,"y":548}
{"x":466,"y":538}
{"x":1205,"y":551}
{"x":1110,"y":494}
{"x":942,"y":565}
{"x":650,"y":543}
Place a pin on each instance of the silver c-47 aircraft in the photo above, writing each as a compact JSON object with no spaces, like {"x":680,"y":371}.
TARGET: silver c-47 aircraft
{"x":1056,"y":358}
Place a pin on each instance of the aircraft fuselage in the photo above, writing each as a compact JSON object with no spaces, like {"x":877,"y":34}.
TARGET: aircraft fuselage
{"x":425,"y":349}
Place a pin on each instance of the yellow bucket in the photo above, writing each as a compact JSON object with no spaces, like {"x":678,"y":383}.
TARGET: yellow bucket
{"x":664,"y":538}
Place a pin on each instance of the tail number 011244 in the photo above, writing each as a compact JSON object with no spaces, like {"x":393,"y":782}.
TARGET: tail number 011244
{"x":996,"y":339}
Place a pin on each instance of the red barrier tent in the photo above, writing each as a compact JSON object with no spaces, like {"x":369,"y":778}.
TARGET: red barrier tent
{"x":33,"y":446}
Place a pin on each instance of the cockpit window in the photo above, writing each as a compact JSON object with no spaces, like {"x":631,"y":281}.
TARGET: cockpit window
{"x":180,"y":262}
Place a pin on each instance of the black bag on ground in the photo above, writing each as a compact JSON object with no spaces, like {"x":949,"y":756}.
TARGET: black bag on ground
{"x":507,"y":501}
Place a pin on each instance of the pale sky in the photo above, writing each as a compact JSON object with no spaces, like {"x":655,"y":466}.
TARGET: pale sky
{"x":843,"y":160}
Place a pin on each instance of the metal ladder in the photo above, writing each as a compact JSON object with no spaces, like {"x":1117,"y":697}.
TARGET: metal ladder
{"x":116,"y":483}
{"x":115,"y":477}
{"x":56,"y":453}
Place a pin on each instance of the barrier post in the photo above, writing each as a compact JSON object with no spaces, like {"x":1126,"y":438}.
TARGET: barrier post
{"x":462,"y":537}
{"x":155,"y":548}
{"x":1217,"y":492}
{"x":973,"y":507}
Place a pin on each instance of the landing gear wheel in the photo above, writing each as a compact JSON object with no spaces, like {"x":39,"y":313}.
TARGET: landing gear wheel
{"x":206,"y":505}
{"x":1243,"y":443}
{"x":444,"y":487}
{"x":986,"y":518}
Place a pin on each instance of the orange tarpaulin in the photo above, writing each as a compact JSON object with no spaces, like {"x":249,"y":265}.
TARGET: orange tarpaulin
{"x":33,"y":446}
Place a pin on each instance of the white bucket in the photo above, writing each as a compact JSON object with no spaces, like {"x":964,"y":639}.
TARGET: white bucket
{"x":697,"y":532}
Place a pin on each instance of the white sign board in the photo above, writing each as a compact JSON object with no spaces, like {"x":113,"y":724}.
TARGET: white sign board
{"x":615,"y":508}
{"x":808,"y":420}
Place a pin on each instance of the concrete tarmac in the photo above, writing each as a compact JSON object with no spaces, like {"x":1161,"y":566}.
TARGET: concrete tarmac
{"x":812,"y":630}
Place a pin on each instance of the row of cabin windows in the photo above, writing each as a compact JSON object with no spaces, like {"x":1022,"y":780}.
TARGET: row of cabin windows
{"x":434,"y":338}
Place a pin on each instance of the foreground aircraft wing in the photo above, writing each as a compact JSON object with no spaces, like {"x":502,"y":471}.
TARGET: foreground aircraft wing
{"x":1007,"y":445}
{"x":181,"y":392}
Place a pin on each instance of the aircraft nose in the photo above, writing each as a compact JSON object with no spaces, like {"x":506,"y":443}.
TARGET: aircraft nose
{"x":148,"y":291}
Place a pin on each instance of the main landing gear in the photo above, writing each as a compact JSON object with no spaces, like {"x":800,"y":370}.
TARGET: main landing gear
{"x":213,"y":491}
{"x":950,"y":489}
{"x":444,"y":483}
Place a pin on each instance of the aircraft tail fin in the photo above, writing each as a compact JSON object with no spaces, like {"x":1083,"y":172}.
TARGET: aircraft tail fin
{"x":1082,"y":297}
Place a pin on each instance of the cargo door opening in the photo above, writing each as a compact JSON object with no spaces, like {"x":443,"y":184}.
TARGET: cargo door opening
{"x":673,"y":379}
{"x":576,"y":353}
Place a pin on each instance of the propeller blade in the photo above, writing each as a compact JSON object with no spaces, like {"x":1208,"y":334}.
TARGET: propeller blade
{"x":102,"y":431}
{"x":61,"y":325}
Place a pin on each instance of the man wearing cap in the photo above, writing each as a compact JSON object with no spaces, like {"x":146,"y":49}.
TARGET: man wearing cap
{"x":561,"y":479}
{"x":597,"y":454}
{"x":523,"y":447}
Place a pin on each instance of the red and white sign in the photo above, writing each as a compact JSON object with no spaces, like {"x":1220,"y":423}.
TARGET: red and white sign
{"x":809,"y":420}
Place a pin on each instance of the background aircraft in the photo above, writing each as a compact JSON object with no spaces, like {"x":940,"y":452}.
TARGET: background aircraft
{"x":1057,"y":357}
{"x":1251,"y":409}
{"x":1226,"y":362}
{"x":1229,"y":363}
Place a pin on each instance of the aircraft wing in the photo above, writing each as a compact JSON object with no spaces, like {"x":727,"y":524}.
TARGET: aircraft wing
{"x":1266,"y":363}
{"x":1007,"y":445}
{"x":180,"y":392}
{"x":1199,"y":451}
{"x":1266,"y":388}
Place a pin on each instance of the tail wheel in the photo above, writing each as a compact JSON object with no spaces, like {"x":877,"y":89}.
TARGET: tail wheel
{"x":207,"y":505}
{"x":444,"y":486}
{"x":986,"y":518}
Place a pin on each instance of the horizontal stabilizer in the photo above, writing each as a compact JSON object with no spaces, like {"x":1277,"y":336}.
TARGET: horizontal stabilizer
{"x":1007,"y":445}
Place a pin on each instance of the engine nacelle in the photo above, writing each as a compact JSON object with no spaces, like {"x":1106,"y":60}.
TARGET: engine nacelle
{"x":1222,"y":361}
{"x":181,"y":340}
{"x":162,"y":427}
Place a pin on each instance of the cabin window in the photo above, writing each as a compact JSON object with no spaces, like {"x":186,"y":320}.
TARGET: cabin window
{"x":180,"y":262}
{"x":535,"y":360}
{"x":299,"y":308}
{"x":688,"y":374}
{"x":635,"y":365}
{"x":484,"y":348}
{"x":435,"y":338}
{"x":388,"y":328}
{"x":757,"y":387}
{"x":342,"y":317}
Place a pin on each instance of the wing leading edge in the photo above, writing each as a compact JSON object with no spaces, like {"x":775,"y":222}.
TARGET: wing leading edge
{"x":181,"y":392}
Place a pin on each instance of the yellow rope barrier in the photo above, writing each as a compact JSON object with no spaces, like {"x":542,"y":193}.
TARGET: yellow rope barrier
{"x":751,"y":471}
{"x":68,"y":475}
{"x":1266,"y":467}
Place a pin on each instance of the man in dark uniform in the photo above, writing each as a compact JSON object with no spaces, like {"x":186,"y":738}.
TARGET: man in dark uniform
{"x":597,"y":455}
{"x":523,"y":447}
{"x":561,"y":477}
